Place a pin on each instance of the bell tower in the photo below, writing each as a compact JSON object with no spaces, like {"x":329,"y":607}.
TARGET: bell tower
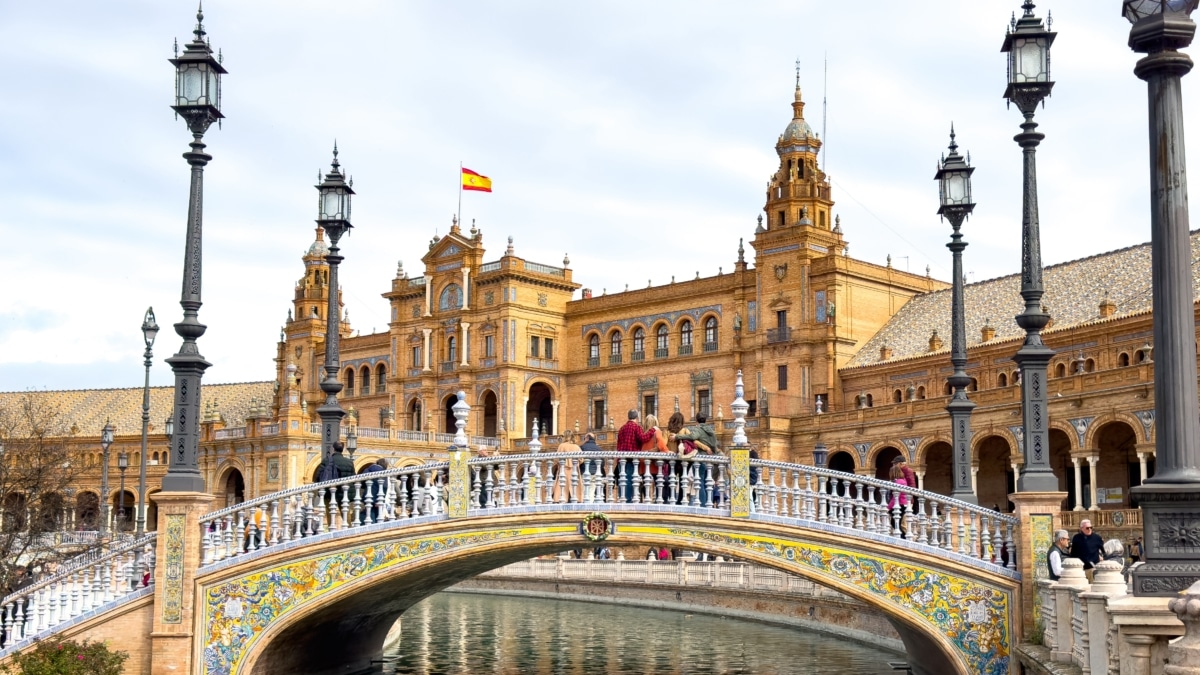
{"x":798,"y":193}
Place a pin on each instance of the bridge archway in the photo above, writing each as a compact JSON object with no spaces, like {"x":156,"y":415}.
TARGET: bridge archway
{"x":883,"y":462}
{"x":342,"y":593}
{"x":937,"y":468}
{"x":994,"y":482}
{"x":842,"y":461}
{"x":233,"y":488}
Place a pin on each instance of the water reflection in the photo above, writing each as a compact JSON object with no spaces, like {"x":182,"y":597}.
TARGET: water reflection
{"x":468,"y":633}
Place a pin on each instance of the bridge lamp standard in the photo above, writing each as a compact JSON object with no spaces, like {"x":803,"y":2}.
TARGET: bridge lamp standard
{"x":122,"y":464}
{"x":1172,"y":495}
{"x":198,"y":102}
{"x":149,"y":331}
{"x":954,"y":181}
{"x":1027,"y":44}
{"x":333,"y":215}
{"x":106,"y":441}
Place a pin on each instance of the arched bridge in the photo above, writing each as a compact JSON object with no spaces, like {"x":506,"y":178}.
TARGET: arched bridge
{"x":310,"y":579}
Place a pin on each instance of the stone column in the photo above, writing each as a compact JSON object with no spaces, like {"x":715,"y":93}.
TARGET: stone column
{"x":975,"y":480}
{"x":1185,"y":652}
{"x":920,"y":479}
{"x":1072,"y":579}
{"x":466,"y":284}
{"x":1078,"y":486}
{"x":1109,"y":583}
{"x":1092,"y":460}
{"x":553,"y":420}
{"x":172,"y":643}
{"x":428,"y":296}
{"x":1037,"y":513}
{"x":463,"y":346}
{"x":1142,"y":465}
{"x":428,"y":357}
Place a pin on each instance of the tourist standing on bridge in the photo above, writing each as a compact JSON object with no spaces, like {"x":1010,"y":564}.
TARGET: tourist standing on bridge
{"x":1058,"y":550}
{"x":656,"y":444}
{"x":591,"y":469}
{"x":705,"y":439}
{"x":630,"y":438}
{"x":1087,"y":546}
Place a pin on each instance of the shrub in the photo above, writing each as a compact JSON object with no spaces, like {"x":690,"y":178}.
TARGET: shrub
{"x":66,"y":657}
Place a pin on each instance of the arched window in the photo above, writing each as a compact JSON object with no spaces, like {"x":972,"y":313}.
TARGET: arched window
{"x":1089,"y":365}
{"x":1123,"y":359}
{"x":870,"y":401}
{"x":349,"y":382}
{"x":451,"y":349}
{"x":639,"y":340}
{"x":947,"y":390}
{"x":974,"y":386}
{"x":380,"y":379}
{"x":614,"y":342}
{"x":710,"y":333}
{"x":1002,"y":380}
{"x":897,"y":396}
{"x":920,"y":393}
{"x":660,"y":338}
{"x":1060,"y":370}
{"x":594,"y":347}
{"x":365,"y":381}
{"x":451,"y":298}
{"x":685,"y":334}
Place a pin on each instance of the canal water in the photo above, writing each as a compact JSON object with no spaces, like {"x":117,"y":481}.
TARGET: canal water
{"x":482,"y":634}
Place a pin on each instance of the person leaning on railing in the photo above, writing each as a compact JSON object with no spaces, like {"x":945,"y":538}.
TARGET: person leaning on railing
{"x":701,"y":435}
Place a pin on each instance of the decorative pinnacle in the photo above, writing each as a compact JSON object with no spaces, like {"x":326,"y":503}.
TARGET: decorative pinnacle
{"x":797,"y":73}
{"x":199,"y":32}
{"x":953,"y":144}
{"x":1028,"y":7}
{"x":335,"y":154}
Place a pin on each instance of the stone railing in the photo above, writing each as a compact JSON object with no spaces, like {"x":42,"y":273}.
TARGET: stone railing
{"x":1103,"y":520}
{"x":270,"y":429}
{"x":75,"y":589}
{"x":736,"y":576}
{"x":235,"y":432}
{"x":489,"y":267}
{"x":543,"y":269}
{"x":1099,"y":627}
{"x":590,"y":480}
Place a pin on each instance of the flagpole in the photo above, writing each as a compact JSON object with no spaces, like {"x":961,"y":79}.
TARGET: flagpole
{"x":458,"y":217}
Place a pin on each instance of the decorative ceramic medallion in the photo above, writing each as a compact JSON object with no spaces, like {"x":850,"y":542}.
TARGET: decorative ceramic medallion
{"x":596,"y":527}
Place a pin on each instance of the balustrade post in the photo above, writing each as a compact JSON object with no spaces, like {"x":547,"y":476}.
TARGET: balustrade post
{"x":1036,"y":513}
{"x":1072,"y":578}
{"x":178,"y":556}
{"x":1109,"y":583}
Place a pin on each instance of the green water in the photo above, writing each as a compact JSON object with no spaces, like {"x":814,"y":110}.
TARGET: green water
{"x":469,"y":633}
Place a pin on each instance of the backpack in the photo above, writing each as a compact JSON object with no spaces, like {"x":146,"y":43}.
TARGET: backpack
{"x":328,"y":470}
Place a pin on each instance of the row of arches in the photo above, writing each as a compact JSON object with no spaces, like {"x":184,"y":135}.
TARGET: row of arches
{"x":661,"y":339}
{"x":539,"y":406}
{"x":55,"y":511}
{"x":1113,"y":445}
{"x":363,"y":379}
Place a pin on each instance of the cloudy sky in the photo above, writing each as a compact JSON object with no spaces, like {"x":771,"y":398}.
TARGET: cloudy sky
{"x":637,"y":137}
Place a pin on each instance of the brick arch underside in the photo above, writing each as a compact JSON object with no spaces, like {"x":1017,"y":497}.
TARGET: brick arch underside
{"x":329,"y":611}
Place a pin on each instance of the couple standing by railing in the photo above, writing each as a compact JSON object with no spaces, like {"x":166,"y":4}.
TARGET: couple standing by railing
{"x":683,"y":441}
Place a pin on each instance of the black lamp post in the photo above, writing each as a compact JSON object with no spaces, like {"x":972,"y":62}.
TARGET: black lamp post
{"x":1170,"y":499}
{"x":149,"y":330}
{"x":122,"y":464}
{"x":1028,"y":47}
{"x":333,"y":214}
{"x":106,"y":441}
{"x":954,"y":180}
{"x":198,"y":101}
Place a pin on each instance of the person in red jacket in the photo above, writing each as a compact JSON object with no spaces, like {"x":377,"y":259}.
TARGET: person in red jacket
{"x":631,"y":438}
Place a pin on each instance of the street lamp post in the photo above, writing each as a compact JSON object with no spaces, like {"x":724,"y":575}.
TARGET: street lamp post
{"x":1170,"y":499}
{"x":149,"y":330}
{"x":106,"y":441}
{"x":820,"y":455}
{"x":1028,"y":47}
{"x":954,"y":179}
{"x":198,"y":101}
{"x":122,"y":464}
{"x":333,"y":215}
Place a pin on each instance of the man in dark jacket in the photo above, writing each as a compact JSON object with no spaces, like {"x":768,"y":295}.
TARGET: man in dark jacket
{"x":1087,"y":546}
{"x":342,"y":466}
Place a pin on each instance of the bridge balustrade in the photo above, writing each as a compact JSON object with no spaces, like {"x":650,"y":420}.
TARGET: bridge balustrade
{"x":76,"y":589}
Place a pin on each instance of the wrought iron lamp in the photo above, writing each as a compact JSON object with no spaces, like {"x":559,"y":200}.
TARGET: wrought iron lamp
{"x":333,"y":215}
{"x":149,"y":330}
{"x":106,"y":441}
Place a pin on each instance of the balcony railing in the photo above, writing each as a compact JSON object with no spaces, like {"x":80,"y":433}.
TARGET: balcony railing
{"x":270,"y":429}
{"x":543,"y":269}
{"x":448,"y":366}
{"x":685,"y":350}
{"x":637,"y":356}
{"x":236,"y":432}
{"x":489,"y":267}
{"x":660,"y":353}
{"x":593,"y":362}
{"x":710,"y":347}
{"x":782,"y":334}
{"x":614,"y":359}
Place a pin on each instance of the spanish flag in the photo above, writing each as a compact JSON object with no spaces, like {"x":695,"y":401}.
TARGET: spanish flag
{"x":474,"y":181}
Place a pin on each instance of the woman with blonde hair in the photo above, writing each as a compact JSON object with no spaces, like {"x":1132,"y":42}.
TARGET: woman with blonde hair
{"x":656,"y":444}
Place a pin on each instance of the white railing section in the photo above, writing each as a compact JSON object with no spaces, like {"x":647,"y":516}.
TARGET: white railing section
{"x":75,"y":589}
{"x":883,"y":507}
{"x":309,"y":510}
{"x":270,"y":429}
{"x":235,"y":432}
{"x":791,"y":492}
{"x":736,"y":576}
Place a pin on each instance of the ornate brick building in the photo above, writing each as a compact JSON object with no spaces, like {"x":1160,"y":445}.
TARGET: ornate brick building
{"x":834,"y":350}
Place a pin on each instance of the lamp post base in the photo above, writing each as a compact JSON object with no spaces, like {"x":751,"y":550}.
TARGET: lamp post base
{"x":1170,"y":538}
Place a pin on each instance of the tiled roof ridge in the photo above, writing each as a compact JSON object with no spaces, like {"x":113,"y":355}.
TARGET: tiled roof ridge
{"x":161,"y":386}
